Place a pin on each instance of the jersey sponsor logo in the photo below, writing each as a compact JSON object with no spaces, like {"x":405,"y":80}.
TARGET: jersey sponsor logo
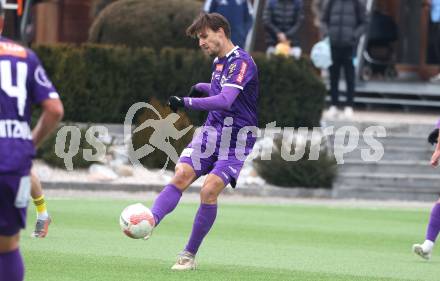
{"x":12,"y":49}
{"x":242,"y":72}
{"x":219,"y":67}
{"x":14,"y":129}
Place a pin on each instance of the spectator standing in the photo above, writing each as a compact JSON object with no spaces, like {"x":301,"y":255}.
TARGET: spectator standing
{"x":239,"y":15}
{"x":282,"y":20}
{"x":344,"y":21}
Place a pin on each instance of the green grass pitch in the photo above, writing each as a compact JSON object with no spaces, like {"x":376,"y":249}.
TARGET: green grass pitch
{"x":248,"y":242}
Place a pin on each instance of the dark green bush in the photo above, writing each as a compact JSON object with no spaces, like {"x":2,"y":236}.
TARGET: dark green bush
{"x":290,"y":92}
{"x":146,"y":23}
{"x":99,"y":83}
{"x":99,"y":5}
{"x":47,"y":152}
{"x":302,"y":173}
{"x":157,"y":159}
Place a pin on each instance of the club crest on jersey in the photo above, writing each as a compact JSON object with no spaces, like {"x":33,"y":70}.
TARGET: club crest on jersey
{"x":219,"y":67}
{"x":243,"y":69}
{"x":231,"y":69}
{"x":41,"y":77}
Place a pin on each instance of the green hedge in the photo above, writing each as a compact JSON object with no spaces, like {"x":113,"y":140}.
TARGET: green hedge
{"x":99,"y":5}
{"x":47,"y":151}
{"x":146,"y":23}
{"x":302,"y":173}
{"x":99,"y":83}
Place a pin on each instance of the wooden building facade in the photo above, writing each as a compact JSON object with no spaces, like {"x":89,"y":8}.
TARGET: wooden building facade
{"x":69,"y":21}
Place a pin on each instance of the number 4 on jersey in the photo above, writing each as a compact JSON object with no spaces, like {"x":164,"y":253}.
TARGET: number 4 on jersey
{"x":19,"y":91}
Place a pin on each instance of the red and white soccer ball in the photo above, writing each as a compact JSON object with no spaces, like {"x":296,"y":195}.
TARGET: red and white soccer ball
{"x":136,"y":221}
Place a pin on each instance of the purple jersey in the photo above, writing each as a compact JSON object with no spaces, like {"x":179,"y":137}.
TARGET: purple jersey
{"x":23,"y":82}
{"x":237,"y":69}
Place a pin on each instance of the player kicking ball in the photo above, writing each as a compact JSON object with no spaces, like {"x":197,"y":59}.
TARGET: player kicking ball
{"x":424,"y":250}
{"x":231,"y":99}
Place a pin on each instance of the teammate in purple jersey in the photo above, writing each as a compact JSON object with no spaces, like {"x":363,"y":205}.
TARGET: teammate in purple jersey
{"x":424,"y":250}
{"x":231,"y":99}
{"x":23,"y":82}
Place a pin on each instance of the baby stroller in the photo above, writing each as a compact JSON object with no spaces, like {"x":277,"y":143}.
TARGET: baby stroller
{"x":379,"y":53}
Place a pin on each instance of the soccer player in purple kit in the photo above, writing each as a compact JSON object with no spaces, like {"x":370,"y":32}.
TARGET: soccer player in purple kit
{"x":23,"y":82}
{"x":231,"y":99}
{"x":424,"y":250}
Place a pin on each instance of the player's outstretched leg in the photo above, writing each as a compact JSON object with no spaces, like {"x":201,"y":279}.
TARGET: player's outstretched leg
{"x":424,"y":250}
{"x":203,"y":222}
{"x":169,"y":197}
{"x":43,"y":218}
{"x":165,"y":202}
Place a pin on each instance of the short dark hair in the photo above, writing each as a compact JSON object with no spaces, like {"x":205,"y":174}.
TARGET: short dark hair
{"x":212,"y":21}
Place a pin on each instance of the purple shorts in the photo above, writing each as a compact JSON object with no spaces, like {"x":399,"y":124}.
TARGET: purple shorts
{"x":227,"y":169}
{"x":12,"y":219}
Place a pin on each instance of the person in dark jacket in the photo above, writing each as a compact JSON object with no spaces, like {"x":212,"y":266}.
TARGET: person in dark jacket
{"x":239,"y":15}
{"x":282,"y":19}
{"x":344,"y":21}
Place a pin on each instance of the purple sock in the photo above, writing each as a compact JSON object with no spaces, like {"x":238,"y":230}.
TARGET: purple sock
{"x":165,"y":202}
{"x":203,"y":222}
{"x":11,"y":266}
{"x":434,"y":223}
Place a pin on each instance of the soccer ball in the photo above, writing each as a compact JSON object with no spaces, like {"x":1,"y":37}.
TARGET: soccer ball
{"x":137,"y":221}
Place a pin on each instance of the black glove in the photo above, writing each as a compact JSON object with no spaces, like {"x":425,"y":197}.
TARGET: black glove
{"x":194,"y":93}
{"x":433,"y":136}
{"x":175,"y":102}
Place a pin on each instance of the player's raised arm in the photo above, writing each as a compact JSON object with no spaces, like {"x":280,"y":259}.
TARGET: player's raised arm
{"x":222,"y":101}
{"x":235,"y":78}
